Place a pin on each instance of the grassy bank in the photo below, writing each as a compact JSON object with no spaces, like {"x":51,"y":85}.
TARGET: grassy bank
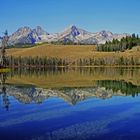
{"x":75,"y":55}
{"x":69,"y":51}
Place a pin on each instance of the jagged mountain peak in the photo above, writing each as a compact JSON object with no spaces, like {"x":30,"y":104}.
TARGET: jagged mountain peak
{"x":40,"y":31}
{"x":26,"y":35}
{"x":105,"y":33}
{"x":71,"y":27}
{"x":71,"y":30}
{"x":39,"y":27}
{"x":23,"y":30}
{"x":76,"y":35}
{"x":70,"y":34}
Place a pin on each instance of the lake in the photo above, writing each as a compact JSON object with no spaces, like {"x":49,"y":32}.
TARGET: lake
{"x":70,"y":104}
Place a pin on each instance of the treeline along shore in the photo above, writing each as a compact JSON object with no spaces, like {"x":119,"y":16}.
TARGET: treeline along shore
{"x":81,"y":62}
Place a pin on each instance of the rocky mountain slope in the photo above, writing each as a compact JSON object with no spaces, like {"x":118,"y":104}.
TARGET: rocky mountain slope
{"x":26,"y":35}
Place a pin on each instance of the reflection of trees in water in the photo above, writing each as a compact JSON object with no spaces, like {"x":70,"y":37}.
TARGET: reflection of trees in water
{"x":124,"y":87}
{"x":38,"y":71}
{"x":104,"y":71}
{"x":4,"y":94}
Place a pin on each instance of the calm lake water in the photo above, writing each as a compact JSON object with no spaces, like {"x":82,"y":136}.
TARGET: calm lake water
{"x":70,"y":104}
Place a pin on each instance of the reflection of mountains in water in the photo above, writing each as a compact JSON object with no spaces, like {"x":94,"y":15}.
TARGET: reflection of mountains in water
{"x":103,"y":90}
{"x":96,"y":82}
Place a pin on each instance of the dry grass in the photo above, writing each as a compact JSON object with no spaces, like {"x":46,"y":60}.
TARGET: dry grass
{"x":61,"y":51}
{"x":71,"y":52}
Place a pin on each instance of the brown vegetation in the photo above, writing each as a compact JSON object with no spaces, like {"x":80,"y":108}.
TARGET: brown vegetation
{"x":76,"y":53}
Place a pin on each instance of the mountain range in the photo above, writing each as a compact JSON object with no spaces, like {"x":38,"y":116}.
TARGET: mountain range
{"x":26,"y":35}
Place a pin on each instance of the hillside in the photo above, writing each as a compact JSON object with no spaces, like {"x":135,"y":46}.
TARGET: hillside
{"x":61,"y":51}
{"x":71,"y":52}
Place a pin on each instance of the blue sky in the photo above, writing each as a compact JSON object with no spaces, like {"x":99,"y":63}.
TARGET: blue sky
{"x":55,"y":15}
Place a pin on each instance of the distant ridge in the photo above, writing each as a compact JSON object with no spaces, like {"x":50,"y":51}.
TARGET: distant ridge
{"x":26,"y":35}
